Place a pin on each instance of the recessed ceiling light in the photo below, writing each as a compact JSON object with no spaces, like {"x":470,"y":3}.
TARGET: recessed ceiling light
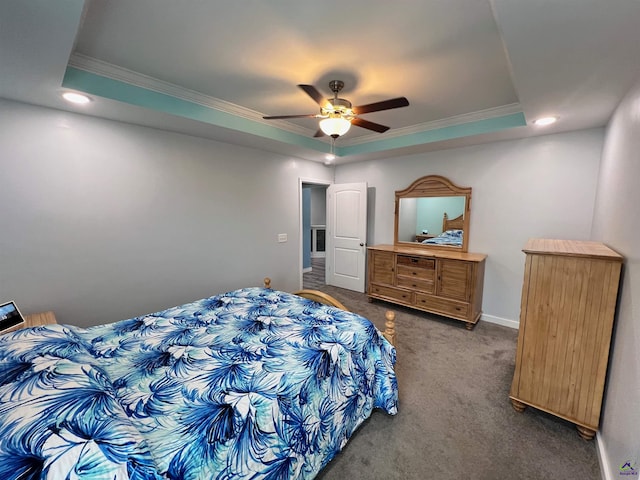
{"x":74,"y":97}
{"x":541,"y":122}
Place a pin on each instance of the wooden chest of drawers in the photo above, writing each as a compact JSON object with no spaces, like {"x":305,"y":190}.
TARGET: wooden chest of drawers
{"x":566,"y":319}
{"x":441,"y":282}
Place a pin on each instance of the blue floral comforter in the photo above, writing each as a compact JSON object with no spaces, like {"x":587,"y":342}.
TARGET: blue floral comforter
{"x":448,"y":237}
{"x":254,"y":383}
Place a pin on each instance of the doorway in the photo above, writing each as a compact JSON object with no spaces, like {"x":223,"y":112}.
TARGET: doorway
{"x":314,"y":227}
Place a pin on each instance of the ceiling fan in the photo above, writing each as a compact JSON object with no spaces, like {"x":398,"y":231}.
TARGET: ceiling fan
{"x":338,"y":114}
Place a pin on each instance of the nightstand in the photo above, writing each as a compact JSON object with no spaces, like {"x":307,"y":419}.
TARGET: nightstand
{"x":423,"y":236}
{"x":34,"y":320}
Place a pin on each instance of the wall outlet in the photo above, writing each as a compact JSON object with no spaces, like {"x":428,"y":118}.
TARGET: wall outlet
{"x":282,"y":237}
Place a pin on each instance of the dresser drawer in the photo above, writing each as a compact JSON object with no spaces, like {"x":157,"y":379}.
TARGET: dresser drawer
{"x":415,"y":272}
{"x":427,"y":263}
{"x":440,"y":282}
{"x":390,"y":292}
{"x":443,"y":306}
{"x":426,"y":286}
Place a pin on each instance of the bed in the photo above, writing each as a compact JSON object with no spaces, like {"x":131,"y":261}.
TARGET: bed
{"x":453,"y":223}
{"x":253,"y":383}
{"x":452,"y":232}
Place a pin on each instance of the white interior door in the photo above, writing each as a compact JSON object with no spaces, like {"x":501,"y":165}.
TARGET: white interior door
{"x":346,"y":235}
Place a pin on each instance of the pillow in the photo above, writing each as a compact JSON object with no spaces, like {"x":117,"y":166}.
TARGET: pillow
{"x":453,"y":233}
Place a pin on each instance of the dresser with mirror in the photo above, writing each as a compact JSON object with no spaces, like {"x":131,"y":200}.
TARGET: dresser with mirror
{"x":428,"y":267}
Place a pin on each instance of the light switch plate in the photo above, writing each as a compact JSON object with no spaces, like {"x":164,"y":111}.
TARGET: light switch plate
{"x":282,"y":237}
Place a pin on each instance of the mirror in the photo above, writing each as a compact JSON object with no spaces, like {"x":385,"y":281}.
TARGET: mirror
{"x":433,"y":212}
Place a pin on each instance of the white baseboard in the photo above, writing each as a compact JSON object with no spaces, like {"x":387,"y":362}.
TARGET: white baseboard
{"x":505,"y":322}
{"x":602,"y":458}
{"x":307,"y":270}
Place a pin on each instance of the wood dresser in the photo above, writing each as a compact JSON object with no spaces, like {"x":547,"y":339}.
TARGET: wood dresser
{"x":34,"y":320}
{"x":447,"y":283}
{"x":566,"y":319}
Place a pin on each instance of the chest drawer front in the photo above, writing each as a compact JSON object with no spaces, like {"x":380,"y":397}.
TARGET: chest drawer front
{"x":426,"y":286}
{"x":427,"y":263}
{"x":394,"y":293}
{"x":449,"y":308}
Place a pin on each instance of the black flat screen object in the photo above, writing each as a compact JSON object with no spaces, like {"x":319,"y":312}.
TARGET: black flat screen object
{"x":10,"y":316}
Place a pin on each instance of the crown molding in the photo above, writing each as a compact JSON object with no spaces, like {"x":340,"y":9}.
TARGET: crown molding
{"x":437,"y":124}
{"x":114,"y":72}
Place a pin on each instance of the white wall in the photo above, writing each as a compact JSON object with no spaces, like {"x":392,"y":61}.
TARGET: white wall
{"x":536,"y":187}
{"x":617,"y":223}
{"x":102,"y":220}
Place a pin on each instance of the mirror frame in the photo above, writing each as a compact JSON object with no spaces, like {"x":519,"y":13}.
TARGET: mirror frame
{"x":435,"y":186}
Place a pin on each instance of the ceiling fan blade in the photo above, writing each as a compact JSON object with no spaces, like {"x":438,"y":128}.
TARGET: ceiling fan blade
{"x":376,"y":127}
{"x":384,"y":105}
{"x":279,"y":117}
{"x":319,"y":133}
{"x":314,"y":93}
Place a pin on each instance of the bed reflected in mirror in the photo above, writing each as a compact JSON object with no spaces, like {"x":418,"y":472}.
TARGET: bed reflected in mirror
{"x":425,"y":219}
{"x":434,"y":213}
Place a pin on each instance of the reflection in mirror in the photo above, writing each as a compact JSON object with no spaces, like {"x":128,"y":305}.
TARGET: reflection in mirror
{"x":425,"y":218}
{"x":433,"y":212}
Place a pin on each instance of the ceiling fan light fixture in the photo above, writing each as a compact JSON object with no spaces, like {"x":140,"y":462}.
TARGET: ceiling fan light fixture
{"x":335,"y":126}
{"x":339,"y":114}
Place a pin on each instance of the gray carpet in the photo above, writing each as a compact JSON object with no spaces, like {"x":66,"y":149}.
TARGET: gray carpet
{"x":455,"y":420}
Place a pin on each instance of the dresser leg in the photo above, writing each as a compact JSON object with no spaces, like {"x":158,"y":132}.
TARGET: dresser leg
{"x":518,"y":406}
{"x":585,"y":433}
{"x":469,"y":325}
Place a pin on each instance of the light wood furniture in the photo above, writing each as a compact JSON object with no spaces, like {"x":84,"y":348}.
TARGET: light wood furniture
{"x":440,"y":279}
{"x":453,"y":223}
{"x":447,"y":224}
{"x":424,"y":188}
{"x":326,"y":299}
{"x":447,"y":283}
{"x":420,"y":237}
{"x":320,"y":297}
{"x":566,"y":319}
{"x":34,"y":320}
